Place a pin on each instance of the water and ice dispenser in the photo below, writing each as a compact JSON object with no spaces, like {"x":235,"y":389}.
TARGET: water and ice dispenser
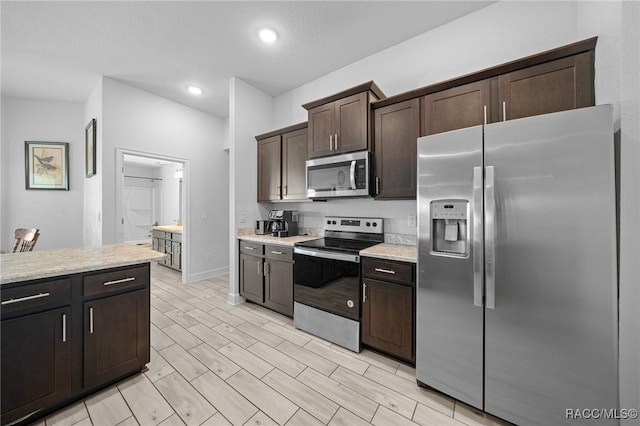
{"x":449,"y":227}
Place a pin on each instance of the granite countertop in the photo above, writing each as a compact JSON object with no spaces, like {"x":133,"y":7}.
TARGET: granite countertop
{"x":403,"y":253}
{"x":175,"y":229}
{"x":283,"y":241}
{"x":16,"y":267}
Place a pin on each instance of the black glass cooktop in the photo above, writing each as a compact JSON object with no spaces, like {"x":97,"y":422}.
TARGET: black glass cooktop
{"x":338,"y":244}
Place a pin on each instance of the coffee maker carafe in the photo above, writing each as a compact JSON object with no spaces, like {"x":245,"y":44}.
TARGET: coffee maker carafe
{"x":284,"y":223}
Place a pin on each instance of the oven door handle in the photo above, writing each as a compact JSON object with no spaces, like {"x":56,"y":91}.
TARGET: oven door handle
{"x":353,"y":258}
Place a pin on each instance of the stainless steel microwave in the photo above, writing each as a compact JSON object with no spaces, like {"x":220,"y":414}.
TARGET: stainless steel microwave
{"x":345,"y":175}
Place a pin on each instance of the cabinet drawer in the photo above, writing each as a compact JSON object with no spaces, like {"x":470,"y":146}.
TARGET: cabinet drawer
{"x":388,"y":270}
{"x":35,"y":297}
{"x":115,"y":281}
{"x":176,"y":237}
{"x":278,"y":252}
{"x":160,"y":234}
{"x":249,"y":247}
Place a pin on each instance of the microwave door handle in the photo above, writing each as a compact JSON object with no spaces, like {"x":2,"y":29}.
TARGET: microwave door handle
{"x":353,"y":174}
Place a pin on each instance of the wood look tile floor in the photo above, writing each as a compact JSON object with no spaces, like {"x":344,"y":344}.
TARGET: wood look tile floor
{"x":217,"y":364}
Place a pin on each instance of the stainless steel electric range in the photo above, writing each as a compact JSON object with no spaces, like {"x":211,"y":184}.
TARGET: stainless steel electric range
{"x":326,"y":290}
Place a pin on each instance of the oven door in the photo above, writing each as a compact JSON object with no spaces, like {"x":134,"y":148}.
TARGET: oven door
{"x":329,"y":281}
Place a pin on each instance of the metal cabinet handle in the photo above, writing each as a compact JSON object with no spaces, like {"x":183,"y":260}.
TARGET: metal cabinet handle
{"x":276,"y":252}
{"x":377,"y":185}
{"x":335,"y":140}
{"x":91,"y":320}
{"x":259,"y":269}
{"x":364,"y":292}
{"x":478,"y":249}
{"x":386,"y":271}
{"x":490,"y":237}
{"x":124,"y":280}
{"x":249,"y":248}
{"x":64,"y":328}
{"x":330,"y":142}
{"x":504,"y":110}
{"x":286,"y":190}
{"x":24,"y":299}
{"x":485,"y":115}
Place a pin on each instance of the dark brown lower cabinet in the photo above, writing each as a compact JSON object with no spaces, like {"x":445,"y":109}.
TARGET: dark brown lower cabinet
{"x":251,"y":282}
{"x":36,"y":362}
{"x":116,"y":336}
{"x":278,"y":286}
{"x":266,"y":275}
{"x":66,"y":337}
{"x":388,"y":307}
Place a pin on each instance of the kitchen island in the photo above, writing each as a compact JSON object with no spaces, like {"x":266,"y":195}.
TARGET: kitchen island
{"x":72,"y":321}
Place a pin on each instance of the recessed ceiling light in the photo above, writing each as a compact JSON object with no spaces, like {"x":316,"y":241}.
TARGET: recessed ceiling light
{"x":268,"y":35}
{"x":194,"y":90}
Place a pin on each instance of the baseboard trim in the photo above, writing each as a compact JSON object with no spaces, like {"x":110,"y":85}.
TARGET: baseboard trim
{"x":235,"y":298}
{"x":208,"y":274}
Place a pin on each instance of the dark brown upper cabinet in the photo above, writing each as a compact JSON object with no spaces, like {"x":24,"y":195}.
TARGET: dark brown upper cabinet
{"x":463,"y":106}
{"x":281,"y":164}
{"x":340,"y":123}
{"x":397,"y":128}
{"x":556,"y":80}
{"x":559,"y":85}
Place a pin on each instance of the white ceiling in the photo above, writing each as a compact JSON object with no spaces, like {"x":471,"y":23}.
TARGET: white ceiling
{"x":57,"y":50}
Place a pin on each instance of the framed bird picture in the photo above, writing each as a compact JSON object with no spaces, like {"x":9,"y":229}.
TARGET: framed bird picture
{"x":47,"y":165}
{"x":90,"y":148}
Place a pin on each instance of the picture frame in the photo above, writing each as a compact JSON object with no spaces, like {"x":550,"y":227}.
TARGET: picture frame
{"x":47,"y":165}
{"x":90,"y":148}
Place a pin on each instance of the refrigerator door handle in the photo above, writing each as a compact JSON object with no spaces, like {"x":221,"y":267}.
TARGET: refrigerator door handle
{"x":490,"y":237}
{"x":478,"y":249}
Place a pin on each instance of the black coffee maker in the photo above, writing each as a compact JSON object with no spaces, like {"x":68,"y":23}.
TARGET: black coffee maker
{"x":284,"y":223}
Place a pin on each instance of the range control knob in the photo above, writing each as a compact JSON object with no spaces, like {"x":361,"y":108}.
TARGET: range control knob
{"x":368,"y":223}
{"x":375,"y":224}
{"x":328,"y":222}
{"x":334,"y":222}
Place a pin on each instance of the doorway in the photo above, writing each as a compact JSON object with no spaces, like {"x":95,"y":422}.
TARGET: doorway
{"x":152,"y":193}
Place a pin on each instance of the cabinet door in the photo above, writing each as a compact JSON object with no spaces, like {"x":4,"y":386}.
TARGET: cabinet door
{"x":387,"y":318}
{"x":116,"y":336}
{"x":176,"y":255}
{"x":558,"y":85}
{"x":36,"y":362}
{"x":397,"y":128}
{"x":251,"y":282}
{"x":278,"y":287}
{"x":294,"y":155}
{"x":351,"y":123}
{"x":457,"y":108}
{"x":269,"y":166}
{"x":321,"y":130}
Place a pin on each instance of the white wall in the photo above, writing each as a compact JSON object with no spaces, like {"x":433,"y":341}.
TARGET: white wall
{"x":630,"y":209}
{"x":92,"y":201}
{"x":170,"y":202}
{"x":56,"y":213}
{"x":500,"y":33}
{"x":249,"y":115}
{"x":139,"y":121}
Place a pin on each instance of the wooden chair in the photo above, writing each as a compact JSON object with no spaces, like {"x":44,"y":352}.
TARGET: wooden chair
{"x":25,"y":239}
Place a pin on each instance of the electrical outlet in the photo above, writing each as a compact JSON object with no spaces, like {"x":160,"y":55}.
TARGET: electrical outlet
{"x":411,"y":220}
{"x":243,"y":217}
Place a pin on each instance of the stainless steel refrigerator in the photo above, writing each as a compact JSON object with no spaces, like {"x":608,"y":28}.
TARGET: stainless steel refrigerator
{"x":517,"y":283}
